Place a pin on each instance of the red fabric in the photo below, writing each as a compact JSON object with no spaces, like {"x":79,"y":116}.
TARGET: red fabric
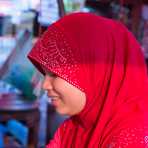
{"x":102,"y":58}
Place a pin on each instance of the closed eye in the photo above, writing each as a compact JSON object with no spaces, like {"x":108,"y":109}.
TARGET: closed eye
{"x":51,"y":74}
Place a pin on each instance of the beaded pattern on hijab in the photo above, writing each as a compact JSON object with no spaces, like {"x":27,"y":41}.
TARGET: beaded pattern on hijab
{"x":55,"y":54}
{"x":129,"y":136}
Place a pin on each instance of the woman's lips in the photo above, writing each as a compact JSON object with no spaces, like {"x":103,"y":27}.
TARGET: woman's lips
{"x":54,"y":100}
{"x":53,"y":97}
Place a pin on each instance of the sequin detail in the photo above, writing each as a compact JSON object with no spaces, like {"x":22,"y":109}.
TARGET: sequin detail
{"x":53,"y":51}
{"x":130,"y":137}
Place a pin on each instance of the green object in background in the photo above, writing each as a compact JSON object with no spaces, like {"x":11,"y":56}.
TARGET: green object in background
{"x":73,"y":5}
{"x":20,"y":77}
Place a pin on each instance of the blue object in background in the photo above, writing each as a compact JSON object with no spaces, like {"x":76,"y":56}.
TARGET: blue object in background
{"x":3,"y":131}
{"x":19,"y":131}
{"x":1,"y":139}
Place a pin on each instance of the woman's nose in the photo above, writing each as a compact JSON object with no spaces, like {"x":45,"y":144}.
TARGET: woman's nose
{"x":47,"y":83}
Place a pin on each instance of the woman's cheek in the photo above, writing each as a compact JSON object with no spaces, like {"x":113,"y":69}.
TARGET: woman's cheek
{"x":59,"y":86}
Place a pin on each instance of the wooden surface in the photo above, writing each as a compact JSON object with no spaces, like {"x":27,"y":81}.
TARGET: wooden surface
{"x":13,"y":107}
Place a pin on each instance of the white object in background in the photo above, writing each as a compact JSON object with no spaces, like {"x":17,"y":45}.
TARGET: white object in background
{"x":49,"y":12}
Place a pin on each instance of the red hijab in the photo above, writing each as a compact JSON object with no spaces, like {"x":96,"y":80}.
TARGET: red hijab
{"x":102,"y":58}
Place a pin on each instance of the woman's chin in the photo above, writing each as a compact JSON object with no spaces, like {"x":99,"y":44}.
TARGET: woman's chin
{"x":62,"y":112}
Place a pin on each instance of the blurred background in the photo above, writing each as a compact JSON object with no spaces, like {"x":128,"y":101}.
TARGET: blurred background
{"x":27,"y":119}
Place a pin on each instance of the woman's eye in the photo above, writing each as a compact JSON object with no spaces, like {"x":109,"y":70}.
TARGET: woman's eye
{"x":52,"y":74}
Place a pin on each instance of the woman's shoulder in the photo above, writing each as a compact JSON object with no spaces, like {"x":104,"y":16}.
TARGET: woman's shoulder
{"x":56,"y":141}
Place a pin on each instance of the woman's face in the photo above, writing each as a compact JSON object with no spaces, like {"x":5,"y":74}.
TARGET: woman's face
{"x":67,"y":99}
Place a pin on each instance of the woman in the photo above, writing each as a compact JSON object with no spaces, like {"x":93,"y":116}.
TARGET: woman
{"x":95,"y":73}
